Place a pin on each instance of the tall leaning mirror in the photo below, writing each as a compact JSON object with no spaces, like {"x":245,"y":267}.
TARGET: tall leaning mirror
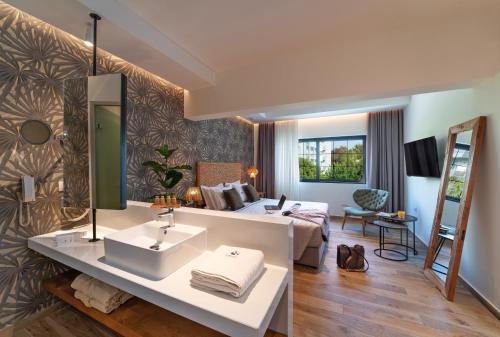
{"x":463,"y":149}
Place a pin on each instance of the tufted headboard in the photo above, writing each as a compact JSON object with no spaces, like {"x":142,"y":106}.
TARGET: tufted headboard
{"x":211,"y":174}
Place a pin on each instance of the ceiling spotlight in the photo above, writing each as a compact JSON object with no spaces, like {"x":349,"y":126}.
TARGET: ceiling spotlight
{"x":88,"y":38}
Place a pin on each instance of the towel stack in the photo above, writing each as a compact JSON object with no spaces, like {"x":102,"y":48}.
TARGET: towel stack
{"x":99,"y":295}
{"x":231,"y":270}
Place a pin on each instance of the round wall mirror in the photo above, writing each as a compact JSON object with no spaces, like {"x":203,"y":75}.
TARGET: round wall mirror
{"x":35,"y":132}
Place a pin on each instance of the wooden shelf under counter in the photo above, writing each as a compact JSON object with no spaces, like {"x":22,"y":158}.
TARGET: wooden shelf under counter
{"x":136,"y":317}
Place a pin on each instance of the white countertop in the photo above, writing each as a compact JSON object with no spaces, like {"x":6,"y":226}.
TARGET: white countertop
{"x":246,"y":316}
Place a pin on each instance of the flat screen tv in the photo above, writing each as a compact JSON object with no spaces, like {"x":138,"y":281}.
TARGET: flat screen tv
{"x":422,"y":158}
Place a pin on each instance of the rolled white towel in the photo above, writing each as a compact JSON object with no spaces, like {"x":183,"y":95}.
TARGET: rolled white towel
{"x":228,"y":269}
{"x":102,"y":307}
{"x":97,"y":294}
{"x":82,"y":297}
{"x":95,"y":288}
{"x":82,"y":283}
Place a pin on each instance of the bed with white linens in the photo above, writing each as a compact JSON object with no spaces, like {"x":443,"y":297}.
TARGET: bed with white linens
{"x":310,"y":237}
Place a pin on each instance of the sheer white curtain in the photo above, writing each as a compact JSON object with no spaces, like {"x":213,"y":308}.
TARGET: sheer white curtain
{"x":286,"y":138}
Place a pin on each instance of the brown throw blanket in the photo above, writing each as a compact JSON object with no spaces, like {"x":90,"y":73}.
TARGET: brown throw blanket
{"x":311,"y":215}
{"x":303,"y":230}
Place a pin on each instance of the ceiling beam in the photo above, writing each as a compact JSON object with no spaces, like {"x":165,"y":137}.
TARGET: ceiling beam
{"x":119,"y":15}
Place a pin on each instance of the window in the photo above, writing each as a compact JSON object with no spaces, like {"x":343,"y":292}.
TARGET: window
{"x":333,"y":159}
{"x":458,"y":171}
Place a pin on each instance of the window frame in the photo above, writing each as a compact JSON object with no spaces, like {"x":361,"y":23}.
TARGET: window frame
{"x":317,"y":140}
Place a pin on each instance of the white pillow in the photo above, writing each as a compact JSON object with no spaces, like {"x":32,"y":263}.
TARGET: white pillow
{"x":214,"y":197}
{"x":205,"y":192}
{"x":217,"y":194}
{"x":208,"y":196}
{"x":237,"y":185}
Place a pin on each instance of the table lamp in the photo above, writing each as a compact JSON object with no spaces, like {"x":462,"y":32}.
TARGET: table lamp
{"x":252,"y":173}
{"x":193,"y":195}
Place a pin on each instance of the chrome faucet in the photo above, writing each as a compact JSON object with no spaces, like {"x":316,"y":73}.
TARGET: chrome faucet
{"x":168,"y":213}
{"x":163,"y":229}
{"x":165,"y":214}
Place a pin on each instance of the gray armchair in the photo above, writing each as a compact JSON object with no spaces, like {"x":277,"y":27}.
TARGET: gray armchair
{"x":370,"y":200}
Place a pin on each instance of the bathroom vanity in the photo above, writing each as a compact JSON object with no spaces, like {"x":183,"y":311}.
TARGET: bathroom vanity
{"x":267,"y":304}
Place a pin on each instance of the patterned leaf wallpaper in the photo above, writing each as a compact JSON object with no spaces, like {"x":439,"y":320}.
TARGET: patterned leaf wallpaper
{"x":35,"y":58}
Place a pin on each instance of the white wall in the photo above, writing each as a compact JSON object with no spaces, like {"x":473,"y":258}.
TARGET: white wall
{"x":432,"y":114}
{"x":335,"y":194}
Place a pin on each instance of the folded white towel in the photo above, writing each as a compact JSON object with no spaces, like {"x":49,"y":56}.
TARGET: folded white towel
{"x":228,"y":269}
{"x":97,"y":294}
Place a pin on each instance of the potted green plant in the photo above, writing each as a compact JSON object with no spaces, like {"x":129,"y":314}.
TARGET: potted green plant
{"x":168,"y":176}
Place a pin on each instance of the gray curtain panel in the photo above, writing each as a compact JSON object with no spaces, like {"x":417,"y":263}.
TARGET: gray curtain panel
{"x":265,"y":159}
{"x":385,"y":155}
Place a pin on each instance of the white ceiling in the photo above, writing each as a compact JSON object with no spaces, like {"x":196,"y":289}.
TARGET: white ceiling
{"x":230,"y":33}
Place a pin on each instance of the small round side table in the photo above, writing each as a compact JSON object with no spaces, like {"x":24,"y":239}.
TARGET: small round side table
{"x":382,"y":226}
{"x":403,"y":221}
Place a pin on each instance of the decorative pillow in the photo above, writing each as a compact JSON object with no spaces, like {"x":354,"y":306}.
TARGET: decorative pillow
{"x":251,"y":193}
{"x":233,"y":199}
{"x":205,"y":193}
{"x":237,"y":182}
{"x":217,"y":194}
{"x":239,"y":188}
{"x":209,"y":196}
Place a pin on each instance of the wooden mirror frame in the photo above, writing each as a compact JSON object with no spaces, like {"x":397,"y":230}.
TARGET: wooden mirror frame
{"x":477,"y":126}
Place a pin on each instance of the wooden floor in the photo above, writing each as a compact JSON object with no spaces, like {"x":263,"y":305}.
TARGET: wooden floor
{"x":64,"y":322}
{"x":391,"y":299}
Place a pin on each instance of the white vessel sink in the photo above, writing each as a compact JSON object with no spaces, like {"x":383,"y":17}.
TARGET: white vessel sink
{"x":130,"y":250}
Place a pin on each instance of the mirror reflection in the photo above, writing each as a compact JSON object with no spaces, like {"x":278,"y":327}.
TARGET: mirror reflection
{"x":35,"y":132}
{"x":107,"y":156}
{"x":107,"y":106}
{"x":95,"y":156}
{"x":456,"y":178}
